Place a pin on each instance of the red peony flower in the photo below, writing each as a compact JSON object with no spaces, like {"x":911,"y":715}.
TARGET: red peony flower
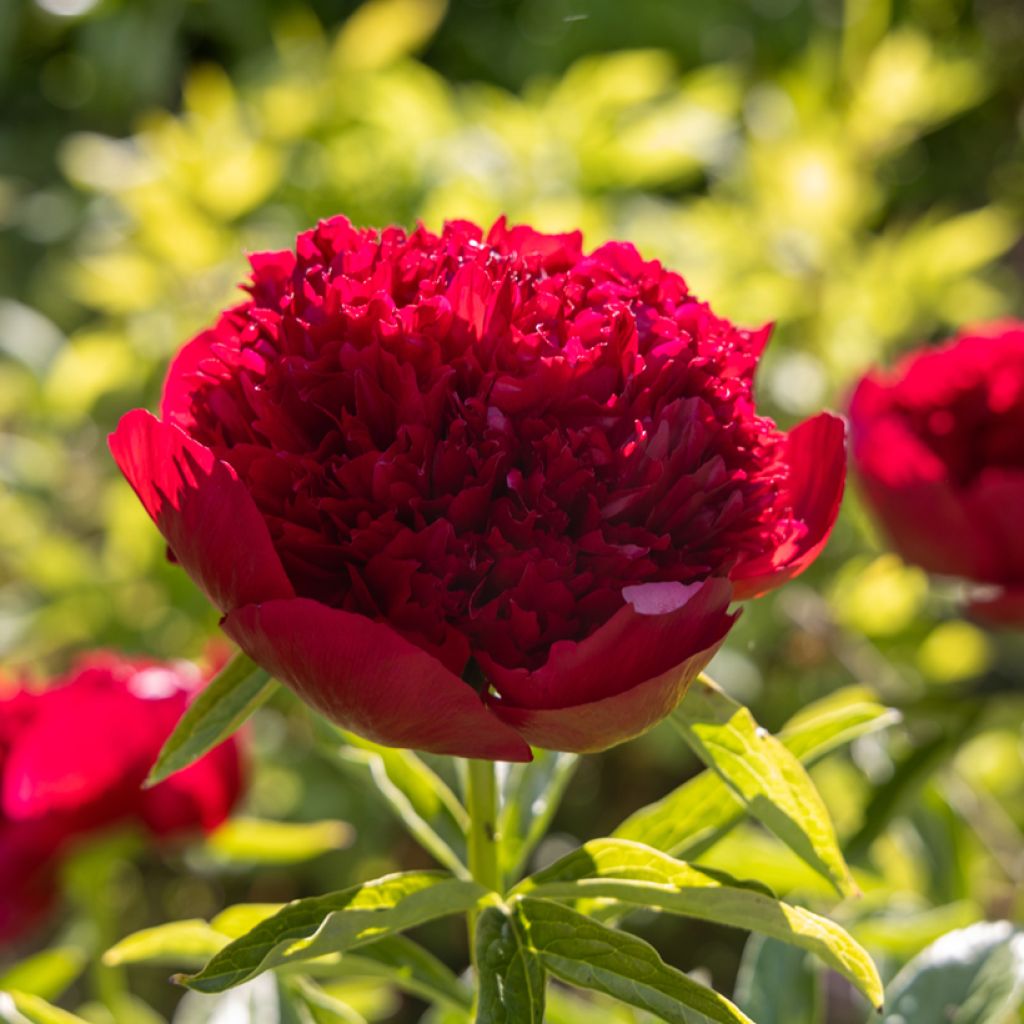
{"x":72,"y":761}
{"x":939,"y":446}
{"x":465,"y":493}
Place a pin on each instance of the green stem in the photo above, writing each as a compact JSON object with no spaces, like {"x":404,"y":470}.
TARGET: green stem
{"x":483,"y":839}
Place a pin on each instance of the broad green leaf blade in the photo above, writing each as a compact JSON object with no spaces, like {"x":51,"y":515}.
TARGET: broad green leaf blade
{"x":240,"y":918}
{"x":587,"y":954}
{"x":971,"y":976}
{"x":695,"y":815}
{"x":769,"y":780}
{"x":219,"y":710}
{"x":530,"y":795}
{"x":511,"y":978}
{"x":242,"y":840}
{"x":22,"y":1008}
{"x":777,"y":984}
{"x":422,"y":800}
{"x":336,"y":922}
{"x":404,"y":963}
{"x":177,"y":944}
{"x":640,"y":876}
{"x":45,"y":974}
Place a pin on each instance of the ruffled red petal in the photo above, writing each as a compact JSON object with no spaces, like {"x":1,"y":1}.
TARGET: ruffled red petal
{"x":816,"y":455}
{"x":202,"y":509}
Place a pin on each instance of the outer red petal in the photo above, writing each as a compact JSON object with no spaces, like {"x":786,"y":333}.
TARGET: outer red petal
{"x":202,"y":509}
{"x":621,"y":680}
{"x":364,"y":676}
{"x":909,"y":490}
{"x":816,"y":454}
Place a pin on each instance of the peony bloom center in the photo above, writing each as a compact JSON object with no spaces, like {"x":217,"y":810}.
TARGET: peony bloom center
{"x":484,"y":440}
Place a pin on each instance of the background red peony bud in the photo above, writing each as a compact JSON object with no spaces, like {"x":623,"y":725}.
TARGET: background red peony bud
{"x":938,"y":444}
{"x":465,"y":493}
{"x":73,"y":757}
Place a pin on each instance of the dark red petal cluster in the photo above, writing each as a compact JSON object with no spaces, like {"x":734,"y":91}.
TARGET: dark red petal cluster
{"x":73,"y":757}
{"x":412,"y":460}
{"x":939,"y":447}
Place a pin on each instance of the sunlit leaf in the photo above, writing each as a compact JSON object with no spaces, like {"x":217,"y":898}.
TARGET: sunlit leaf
{"x":178,"y":944}
{"x":229,"y":699}
{"x":511,"y":978}
{"x":244,"y":840}
{"x":769,"y":780}
{"x":240,"y":918}
{"x":308,"y":928}
{"x":584,"y":953}
{"x":47,"y":973}
{"x":700,"y":811}
{"x":640,"y":876}
{"x":22,"y":1008}
{"x":381,"y":31}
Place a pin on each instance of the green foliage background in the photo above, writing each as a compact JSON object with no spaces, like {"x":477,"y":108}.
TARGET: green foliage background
{"x":853,"y":172}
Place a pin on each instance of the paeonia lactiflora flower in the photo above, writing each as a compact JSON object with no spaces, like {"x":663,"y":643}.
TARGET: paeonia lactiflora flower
{"x":468,"y":492}
{"x":939,"y":448}
{"x":73,"y":756}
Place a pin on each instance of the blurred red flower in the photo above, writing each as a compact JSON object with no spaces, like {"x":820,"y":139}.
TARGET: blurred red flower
{"x":465,"y":493}
{"x":73,"y":757}
{"x":938,"y":443}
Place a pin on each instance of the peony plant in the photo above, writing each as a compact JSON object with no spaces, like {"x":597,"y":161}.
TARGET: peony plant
{"x":491,"y":496}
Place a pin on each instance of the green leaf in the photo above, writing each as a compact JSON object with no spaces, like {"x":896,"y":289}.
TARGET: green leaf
{"x":240,"y":918}
{"x":971,"y":976}
{"x":640,"y":876}
{"x":695,"y":815}
{"x":219,"y":710}
{"x":243,"y":840}
{"x":45,"y":974}
{"x":777,"y":984}
{"x":336,"y":922}
{"x":587,"y":954}
{"x":21,"y":1007}
{"x":764,"y":775}
{"x":178,"y":944}
{"x":511,"y":978}
{"x":530,"y":795}
{"x":419,"y":796}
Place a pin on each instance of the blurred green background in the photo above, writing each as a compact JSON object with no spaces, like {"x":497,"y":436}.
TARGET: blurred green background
{"x":852,"y":171}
